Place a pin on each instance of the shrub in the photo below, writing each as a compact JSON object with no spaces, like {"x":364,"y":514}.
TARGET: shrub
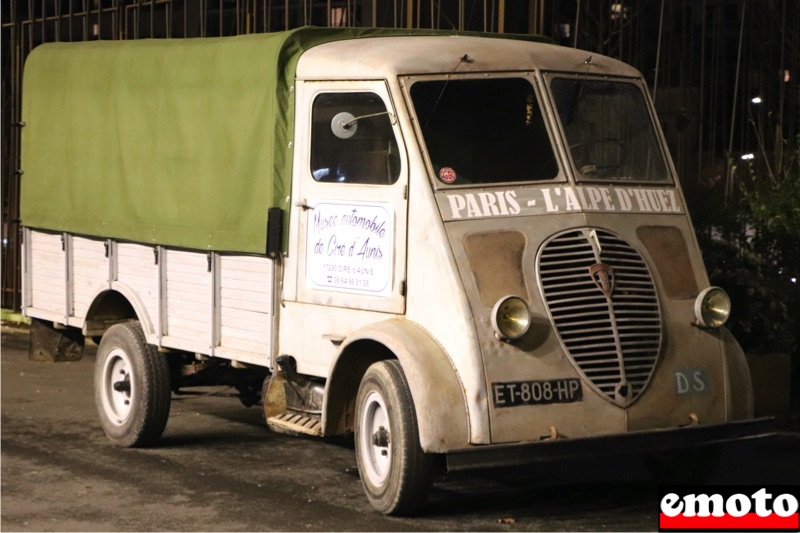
{"x":751,"y":247}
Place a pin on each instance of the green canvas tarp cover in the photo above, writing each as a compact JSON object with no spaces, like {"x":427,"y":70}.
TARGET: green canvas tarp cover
{"x":180,"y":142}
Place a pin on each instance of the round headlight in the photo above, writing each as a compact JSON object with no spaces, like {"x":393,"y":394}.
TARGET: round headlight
{"x":511,"y":318}
{"x":712,"y":308}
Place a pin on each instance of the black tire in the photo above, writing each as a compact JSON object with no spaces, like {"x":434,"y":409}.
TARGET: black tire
{"x":395,"y":472}
{"x":132,"y":387}
{"x":693,"y":466}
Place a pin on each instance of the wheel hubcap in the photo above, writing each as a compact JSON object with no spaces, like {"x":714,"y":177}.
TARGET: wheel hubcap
{"x":381,"y":438}
{"x":117,"y":387}
{"x":375,"y":440}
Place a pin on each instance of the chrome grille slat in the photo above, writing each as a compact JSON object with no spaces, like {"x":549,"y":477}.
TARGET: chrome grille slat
{"x":563,"y":256}
{"x":593,"y":355}
{"x":569,"y":284}
{"x":566,"y":309}
{"x":575,"y":315}
{"x":588,"y":323}
{"x":632,"y":361}
{"x":614,"y":340}
{"x":582,"y":332}
{"x":634,"y":336}
{"x":590,"y":366}
{"x":589,"y":347}
{"x":638,"y":331}
{"x":562,"y":273}
{"x":569,"y":306}
{"x":569,"y":293}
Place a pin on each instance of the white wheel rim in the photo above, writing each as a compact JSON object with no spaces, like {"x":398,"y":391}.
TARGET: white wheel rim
{"x":117,"y":403}
{"x":376,"y":458}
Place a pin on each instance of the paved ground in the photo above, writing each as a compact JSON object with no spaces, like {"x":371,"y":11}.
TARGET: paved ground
{"x":219,"y":469}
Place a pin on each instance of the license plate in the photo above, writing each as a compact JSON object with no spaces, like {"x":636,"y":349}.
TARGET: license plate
{"x":513,"y":393}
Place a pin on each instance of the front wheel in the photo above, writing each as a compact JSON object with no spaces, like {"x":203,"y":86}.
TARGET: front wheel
{"x":132,"y":387}
{"x":395,"y":472}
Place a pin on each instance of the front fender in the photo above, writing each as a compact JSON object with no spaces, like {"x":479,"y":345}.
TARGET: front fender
{"x":436,"y":389}
{"x":739,"y":384}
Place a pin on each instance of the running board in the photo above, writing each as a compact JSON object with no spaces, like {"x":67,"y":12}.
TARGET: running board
{"x":295,"y":424}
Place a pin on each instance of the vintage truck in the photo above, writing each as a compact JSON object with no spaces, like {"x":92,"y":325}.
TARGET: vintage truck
{"x":465,"y":250}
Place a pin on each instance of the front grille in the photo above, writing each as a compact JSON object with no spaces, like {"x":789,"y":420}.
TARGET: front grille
{"x":604,"y":306}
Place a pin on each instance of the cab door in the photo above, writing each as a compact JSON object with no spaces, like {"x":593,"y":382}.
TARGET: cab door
{"x":351,"y":198}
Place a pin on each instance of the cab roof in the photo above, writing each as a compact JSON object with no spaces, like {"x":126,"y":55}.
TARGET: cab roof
{"x":385,"y":56}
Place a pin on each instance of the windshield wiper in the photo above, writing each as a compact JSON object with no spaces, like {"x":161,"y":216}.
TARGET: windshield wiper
{"x":464,"y":59}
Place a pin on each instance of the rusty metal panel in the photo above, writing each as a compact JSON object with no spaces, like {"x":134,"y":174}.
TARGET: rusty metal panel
{"x":495,"y":259}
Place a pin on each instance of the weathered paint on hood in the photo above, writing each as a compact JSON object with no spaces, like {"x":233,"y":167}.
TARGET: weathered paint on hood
{"x":497,"y":247}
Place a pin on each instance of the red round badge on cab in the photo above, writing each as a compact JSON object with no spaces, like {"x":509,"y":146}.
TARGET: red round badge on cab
{"x":447,"y":175}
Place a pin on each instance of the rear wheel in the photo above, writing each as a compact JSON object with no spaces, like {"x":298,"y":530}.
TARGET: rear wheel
{"x":132,"y":387}
{"x":395,"y":472}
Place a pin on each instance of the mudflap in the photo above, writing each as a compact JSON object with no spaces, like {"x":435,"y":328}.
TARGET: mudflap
{"x":49,"y":344}
{"x":273,"y":395}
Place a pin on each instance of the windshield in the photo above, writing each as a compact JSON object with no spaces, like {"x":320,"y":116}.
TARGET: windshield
{"x":483,"y":131}
{"x":608,"y":129}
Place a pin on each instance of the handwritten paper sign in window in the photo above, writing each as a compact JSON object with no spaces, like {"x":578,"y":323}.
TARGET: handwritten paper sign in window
{"x":350,"y":247}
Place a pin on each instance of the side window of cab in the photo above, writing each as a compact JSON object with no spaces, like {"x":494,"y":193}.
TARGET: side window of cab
{"x":352,"y":140}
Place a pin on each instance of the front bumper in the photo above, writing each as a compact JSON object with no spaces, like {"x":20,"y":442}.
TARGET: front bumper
{"x":500,"y":455}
